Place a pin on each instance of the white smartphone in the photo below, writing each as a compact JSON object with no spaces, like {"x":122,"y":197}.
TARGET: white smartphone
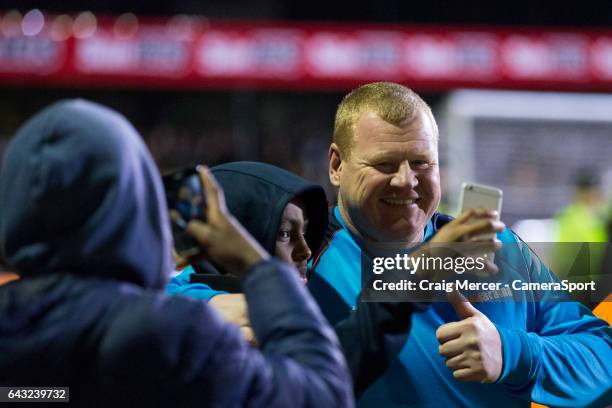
{"x":480,"y":196}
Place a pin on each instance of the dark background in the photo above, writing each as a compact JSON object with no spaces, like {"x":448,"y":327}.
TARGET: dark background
{"x":593,"y":13}
{"x":291,"y":129}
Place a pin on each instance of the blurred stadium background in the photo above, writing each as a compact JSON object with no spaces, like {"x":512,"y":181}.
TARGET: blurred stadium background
{"x":519,"y":88}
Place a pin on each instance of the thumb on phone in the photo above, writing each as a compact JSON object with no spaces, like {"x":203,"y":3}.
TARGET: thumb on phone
{"x":462,"y":306}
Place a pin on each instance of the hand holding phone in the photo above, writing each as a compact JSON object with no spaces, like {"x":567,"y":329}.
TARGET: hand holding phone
{"x":223,"y":240}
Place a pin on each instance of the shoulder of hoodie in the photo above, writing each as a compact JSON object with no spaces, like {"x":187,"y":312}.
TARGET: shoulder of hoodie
{"x":140,"y":329}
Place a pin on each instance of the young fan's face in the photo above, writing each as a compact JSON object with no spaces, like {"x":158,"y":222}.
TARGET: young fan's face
{"x":291,"y":243}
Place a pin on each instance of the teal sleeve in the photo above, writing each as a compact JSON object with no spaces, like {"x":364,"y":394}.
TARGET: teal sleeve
{"x":181,"y":285}
{"x":566,"y":360}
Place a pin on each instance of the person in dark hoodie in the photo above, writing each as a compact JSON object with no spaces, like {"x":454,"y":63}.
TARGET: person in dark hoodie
{"x":83,"y":221}
{"x":288,"y":216}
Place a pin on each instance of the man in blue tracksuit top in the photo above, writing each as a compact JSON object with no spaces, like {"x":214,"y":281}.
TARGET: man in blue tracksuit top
{"x":510,"y":348}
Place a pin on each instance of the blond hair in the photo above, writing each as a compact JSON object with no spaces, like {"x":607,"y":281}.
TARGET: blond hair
{"x":394,"y":103}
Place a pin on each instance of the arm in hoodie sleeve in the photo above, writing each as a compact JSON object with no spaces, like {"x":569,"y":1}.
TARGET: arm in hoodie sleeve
{"x":371,"y":337}
{"x":565,"y":360}
{"x":185,"y":354}
{"x":307,"y":365}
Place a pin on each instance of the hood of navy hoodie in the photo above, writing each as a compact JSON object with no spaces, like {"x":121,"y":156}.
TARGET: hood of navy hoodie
{"x":257,"y":194}
{"x":83,"y":221}
{"x":80,"y":195}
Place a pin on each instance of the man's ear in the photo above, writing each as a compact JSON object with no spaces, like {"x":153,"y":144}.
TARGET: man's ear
{"x":335,"y":164}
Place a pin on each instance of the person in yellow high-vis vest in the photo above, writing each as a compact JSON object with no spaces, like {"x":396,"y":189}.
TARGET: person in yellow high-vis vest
{"x":580,"y":223}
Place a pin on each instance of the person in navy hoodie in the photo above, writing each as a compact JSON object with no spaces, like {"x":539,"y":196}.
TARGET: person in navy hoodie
{"x":83,"y":221}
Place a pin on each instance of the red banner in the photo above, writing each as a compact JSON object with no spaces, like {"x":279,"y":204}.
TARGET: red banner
{"x":183,"y":52}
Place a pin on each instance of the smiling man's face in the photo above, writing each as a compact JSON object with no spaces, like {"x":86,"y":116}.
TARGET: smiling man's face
{"x":389,"y":185}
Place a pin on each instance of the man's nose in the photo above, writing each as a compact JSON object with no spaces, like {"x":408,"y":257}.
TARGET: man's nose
{"x":404,"y":176}
{"x":301,"y":251}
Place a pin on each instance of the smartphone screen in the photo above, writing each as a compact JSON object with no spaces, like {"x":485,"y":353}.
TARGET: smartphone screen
{"x":186,"y":202}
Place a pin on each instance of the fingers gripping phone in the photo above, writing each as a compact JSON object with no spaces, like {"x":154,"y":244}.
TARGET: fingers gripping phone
{"x":480,"y":196}
{"x":186,"y":201}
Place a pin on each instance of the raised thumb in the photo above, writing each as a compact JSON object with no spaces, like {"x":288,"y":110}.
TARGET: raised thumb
{"x":462,"y":306}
